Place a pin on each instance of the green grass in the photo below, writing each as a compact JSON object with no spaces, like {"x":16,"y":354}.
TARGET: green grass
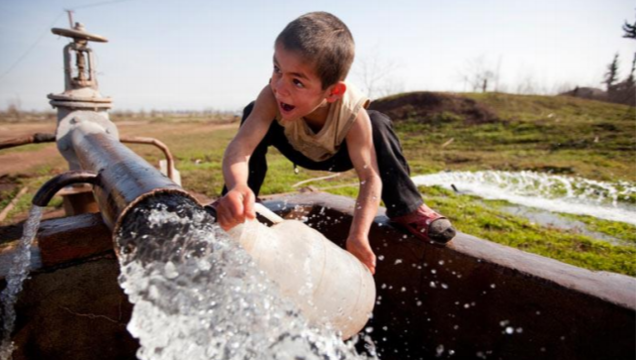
{"x":561,"y":135}
{"x":32,"y":184}
{"x":483,"y":219}
{"x":551,"y":134}
{"x":620,"y":230}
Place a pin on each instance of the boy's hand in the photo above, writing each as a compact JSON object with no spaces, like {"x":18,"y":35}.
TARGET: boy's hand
{"x":235,"y":207}
{"x":360,"y":248}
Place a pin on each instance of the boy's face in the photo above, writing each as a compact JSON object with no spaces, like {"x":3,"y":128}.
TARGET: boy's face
{"x":297,"y":88}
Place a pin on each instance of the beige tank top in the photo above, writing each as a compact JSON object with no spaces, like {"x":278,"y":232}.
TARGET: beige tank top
{"x":325,"y":143}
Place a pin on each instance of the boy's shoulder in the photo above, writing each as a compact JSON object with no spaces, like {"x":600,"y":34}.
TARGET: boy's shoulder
{"x":354,"y":98}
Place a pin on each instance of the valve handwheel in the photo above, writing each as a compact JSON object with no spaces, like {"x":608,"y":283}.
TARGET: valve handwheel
{"x":78,"y":33}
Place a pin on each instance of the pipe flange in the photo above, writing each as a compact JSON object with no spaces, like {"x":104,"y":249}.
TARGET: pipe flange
{"x":96,"y":121}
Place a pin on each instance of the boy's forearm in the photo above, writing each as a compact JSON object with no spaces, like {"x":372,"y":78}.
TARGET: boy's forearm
{"x":235,"y":164}
{"x":235,"y":168}
{"x":366,"y":207}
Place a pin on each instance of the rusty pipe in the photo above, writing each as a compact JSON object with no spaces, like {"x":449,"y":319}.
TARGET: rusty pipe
{"x":157,"y":143}
{"x":32,"y":139}
{"x":51,"y":187}
{"x":124,"y":178}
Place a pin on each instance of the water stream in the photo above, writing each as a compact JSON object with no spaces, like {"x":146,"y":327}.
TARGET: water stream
{"x":557,"y":193}
{"x":17,"y":274}
{"x":198,"y":295}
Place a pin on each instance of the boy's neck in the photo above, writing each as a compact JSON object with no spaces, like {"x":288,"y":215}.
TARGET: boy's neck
{"x":318,"y":117}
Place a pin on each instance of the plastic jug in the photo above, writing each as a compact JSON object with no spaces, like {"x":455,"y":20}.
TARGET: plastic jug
{"x":327,"y":283}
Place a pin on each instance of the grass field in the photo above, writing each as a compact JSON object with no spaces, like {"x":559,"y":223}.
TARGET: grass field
{"x":561,"y":135}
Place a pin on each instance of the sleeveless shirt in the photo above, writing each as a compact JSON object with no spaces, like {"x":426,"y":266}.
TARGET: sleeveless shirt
{"x":325,"y":143}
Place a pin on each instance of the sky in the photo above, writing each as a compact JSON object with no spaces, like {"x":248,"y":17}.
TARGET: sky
{"x":217,"y":55}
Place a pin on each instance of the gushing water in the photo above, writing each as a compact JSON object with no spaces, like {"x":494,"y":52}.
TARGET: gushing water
{"x":198,"y":295}
{"x":17,"y":274}
{"x":557,"y":193}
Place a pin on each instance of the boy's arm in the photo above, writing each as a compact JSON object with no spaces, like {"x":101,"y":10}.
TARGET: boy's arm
{"x":363,"y":157}
{"x":237,"y":204}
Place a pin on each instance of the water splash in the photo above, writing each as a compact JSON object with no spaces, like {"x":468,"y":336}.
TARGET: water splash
{"x":198,"y":295}
{"x":557,"y":193}
{"x":17,"y":274}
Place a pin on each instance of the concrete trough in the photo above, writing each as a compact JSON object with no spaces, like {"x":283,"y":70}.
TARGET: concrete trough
{"x":470,"y":299}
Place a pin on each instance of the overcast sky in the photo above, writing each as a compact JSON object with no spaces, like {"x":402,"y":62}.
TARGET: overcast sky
{"x":194,"y":54}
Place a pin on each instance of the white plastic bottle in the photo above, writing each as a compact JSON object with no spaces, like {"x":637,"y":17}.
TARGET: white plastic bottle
{"x":327,"y":283}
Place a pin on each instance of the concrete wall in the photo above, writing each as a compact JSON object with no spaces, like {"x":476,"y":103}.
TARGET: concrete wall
{"x":477,"y":299}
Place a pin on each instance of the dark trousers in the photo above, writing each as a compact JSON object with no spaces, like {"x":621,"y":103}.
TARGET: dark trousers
{"x":399,"y":193}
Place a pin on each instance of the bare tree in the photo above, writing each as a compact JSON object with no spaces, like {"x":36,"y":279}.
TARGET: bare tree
{"x":375,"y":75}
{"x":14,"y":109}
{"x":527,"y":86}
{"x":478,"y":75}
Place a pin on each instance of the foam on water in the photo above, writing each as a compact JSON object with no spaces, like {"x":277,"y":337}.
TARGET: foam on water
{"x":198,"y":295}
{"x":557,"y":193}
{"x":17,"y":274}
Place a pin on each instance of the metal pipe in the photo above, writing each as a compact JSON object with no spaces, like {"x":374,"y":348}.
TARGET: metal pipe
{"x":124,"y":178}
{"x":157,"y":143}
{"x":51,"y":187}
{"x":32,"y":139}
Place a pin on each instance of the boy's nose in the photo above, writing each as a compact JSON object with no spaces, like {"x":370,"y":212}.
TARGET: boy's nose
{"x":281,"y":87}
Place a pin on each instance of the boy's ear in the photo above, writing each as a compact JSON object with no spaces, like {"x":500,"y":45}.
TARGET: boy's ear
{"x":336,"y":91}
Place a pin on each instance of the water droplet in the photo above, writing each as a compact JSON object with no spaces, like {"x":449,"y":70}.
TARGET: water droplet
{"x":445,"y":286}
{"x":368,"y":330}
{"x":398,"y":261}
{"x":381,"y":257}
{"x":441,"y":262}
{"x":170,"y":271}
{"x":403,"y":289}
{"x":509,"y":330}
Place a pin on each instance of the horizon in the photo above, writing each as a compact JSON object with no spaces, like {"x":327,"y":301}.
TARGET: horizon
{"x":199,"y":56}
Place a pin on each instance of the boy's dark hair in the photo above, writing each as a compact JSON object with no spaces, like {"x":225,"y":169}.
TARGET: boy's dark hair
{"x":323,"y":39}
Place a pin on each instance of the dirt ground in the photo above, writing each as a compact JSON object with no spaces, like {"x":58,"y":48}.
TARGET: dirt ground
{"x":15,"y":162}
{"x":426,"y":106}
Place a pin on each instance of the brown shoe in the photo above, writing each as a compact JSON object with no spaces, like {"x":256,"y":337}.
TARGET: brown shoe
{"x":427,"y":225}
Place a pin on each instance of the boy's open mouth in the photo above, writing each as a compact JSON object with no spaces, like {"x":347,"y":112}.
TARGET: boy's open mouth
{"x":286,"y":107}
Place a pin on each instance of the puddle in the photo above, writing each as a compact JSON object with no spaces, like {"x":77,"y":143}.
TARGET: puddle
{"x":549,"y":219}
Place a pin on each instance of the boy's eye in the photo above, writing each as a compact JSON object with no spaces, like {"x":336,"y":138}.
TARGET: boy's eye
{"x":298,"y":83}
{"x":276,"y":69}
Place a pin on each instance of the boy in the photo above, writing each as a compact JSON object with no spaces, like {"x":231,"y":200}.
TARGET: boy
{"x":319,"y":121}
